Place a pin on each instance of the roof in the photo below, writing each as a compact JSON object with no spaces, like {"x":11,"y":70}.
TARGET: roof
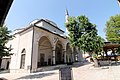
{"x":51,"y":32}
{"x":4,"y":8}
{"x":49,"y":22}
{"x":110,"y":46}
{"x":42,"y":29}
{"x":33,"y":23}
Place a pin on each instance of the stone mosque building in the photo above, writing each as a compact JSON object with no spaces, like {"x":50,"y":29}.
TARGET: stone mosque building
{"x":41,"y":43}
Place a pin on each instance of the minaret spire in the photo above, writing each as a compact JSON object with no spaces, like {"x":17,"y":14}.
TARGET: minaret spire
{"x":66,"y":21}
{"x":66,"y":16}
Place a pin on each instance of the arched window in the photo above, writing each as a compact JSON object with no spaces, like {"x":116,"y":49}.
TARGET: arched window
{"x":23,"y":53}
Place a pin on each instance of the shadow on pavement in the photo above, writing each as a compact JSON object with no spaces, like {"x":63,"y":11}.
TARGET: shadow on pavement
{"x":3,"y":79}
{"x":4,"y":71}
{"x":36,"y":75}
{"x":80,"y":64}
{"x":115,"y":64}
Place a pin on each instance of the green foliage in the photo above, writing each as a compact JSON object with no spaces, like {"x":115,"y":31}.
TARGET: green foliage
{"x":83,"y":34}
{"x":72,"y":26}
{"x":118,"y":50}
{"x":113,"y":29}
{"x":4,"y":38}
{"x":94,"y":55}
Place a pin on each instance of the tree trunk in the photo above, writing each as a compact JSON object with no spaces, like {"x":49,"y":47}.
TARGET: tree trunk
{"x":96,"y":63}
{"x":80,"y":56}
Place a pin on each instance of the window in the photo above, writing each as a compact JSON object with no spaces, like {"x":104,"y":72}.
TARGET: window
{"x":22,"y":65}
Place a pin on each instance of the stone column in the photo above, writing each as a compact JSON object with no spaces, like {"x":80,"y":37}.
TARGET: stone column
{"x":64,"y":52}
{"x":72,"y":55}
{"x":53,"y":56}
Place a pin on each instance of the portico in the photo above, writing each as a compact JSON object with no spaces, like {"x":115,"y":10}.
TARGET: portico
{"x":49,"y":48}
{"x":40,"y":44}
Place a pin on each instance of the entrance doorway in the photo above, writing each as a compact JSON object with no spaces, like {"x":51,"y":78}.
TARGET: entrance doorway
{"x":44,"y":52}
{"x":22,"y":61}
{"x":42,"y":59}
{"x":59,"y":58}
{"x":7,"y":67}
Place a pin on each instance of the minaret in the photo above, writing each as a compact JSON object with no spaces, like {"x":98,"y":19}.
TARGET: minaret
{"x":66,"y":21}
{"x":66,"y":16}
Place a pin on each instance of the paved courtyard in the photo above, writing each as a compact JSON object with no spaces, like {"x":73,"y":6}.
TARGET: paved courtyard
{"x":84,"y":72}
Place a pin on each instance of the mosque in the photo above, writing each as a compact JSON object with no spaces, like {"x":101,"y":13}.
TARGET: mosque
{"x":42,"y":43}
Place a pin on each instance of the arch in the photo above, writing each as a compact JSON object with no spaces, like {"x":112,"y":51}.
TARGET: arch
{"x":59,"y":56}
{"x":23,"y":54}
{"x":59,"y":42}
{"x":68,"y":53}
{"x":44,"y":52}
{"x":44,"y":36}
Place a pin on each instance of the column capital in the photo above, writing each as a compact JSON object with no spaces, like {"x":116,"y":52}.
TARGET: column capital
{"x":53,"y":56}
{"x":63,"y":49}
{"x":53,"y":50}
{"x":53,"y":47}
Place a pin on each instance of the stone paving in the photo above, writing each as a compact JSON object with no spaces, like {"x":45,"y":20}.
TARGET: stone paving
{"x":85,"y":72}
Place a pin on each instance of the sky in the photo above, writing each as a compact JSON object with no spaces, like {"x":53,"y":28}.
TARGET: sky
{"x":22,"y":12}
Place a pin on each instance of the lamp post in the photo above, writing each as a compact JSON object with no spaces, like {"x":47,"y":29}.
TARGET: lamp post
{"x":4,"y":9}
{"x":119,"y":2}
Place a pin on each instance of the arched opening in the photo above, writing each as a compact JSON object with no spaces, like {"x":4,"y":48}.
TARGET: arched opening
{"x":68,"y":53}
{"x":59,"y":56}
{"x":7,"y":67}
{"x":23,"y":53}
{"x":44,"y":52}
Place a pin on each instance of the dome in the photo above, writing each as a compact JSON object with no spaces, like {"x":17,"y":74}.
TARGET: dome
{"x":33,"y":22}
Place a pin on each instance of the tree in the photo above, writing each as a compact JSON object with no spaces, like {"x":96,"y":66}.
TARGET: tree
{"x":83,"y":34}
{"x":113,"y":29}
{"x":72,"y":26}
{"x":4,"y":38}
